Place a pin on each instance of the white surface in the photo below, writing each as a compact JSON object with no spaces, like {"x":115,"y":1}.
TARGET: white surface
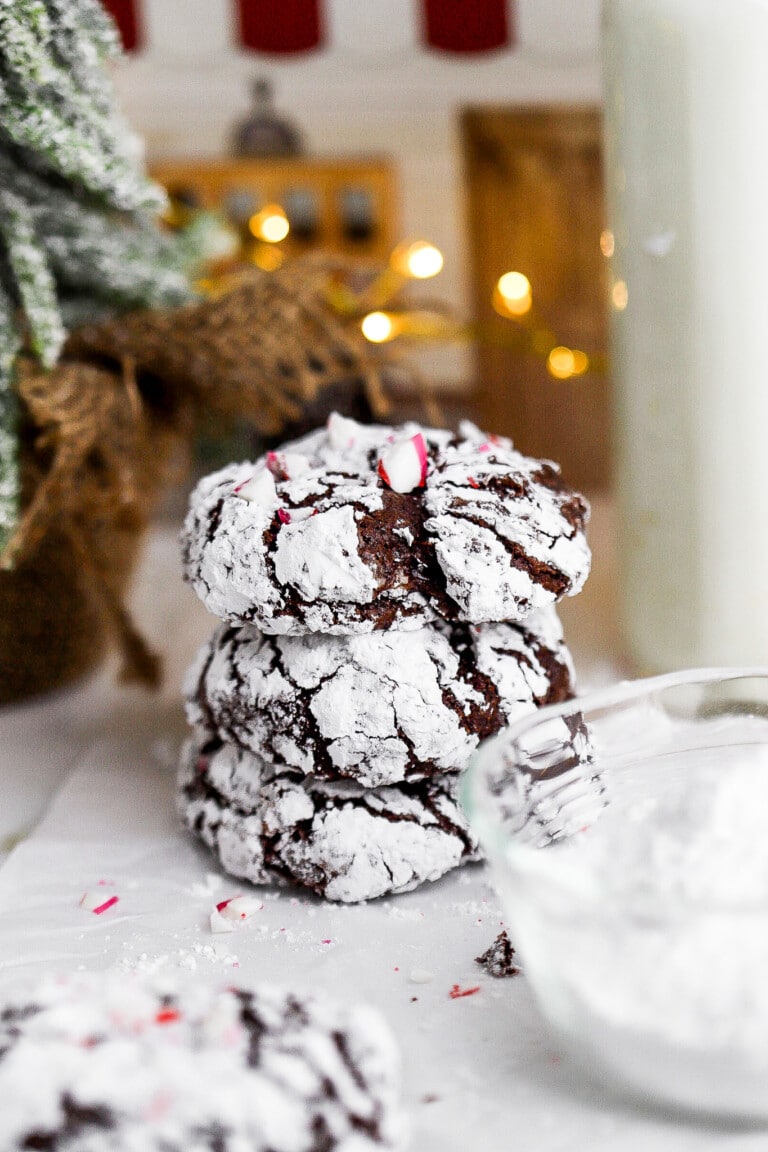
{"x":499,"y":1081}
{"x":494,"y":1079}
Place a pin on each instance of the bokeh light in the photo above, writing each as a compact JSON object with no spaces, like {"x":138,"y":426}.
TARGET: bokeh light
{"x":562,"y":362}
{"x":513,"y":295}
{"x":620,"y":295}
{"x":419,"y":260}
{"x":378,"y":327}
{"x":270,"y":224}
{"x":607,"y":243}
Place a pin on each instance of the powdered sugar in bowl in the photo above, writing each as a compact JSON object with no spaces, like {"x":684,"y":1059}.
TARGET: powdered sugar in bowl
{"x":627,"y":831}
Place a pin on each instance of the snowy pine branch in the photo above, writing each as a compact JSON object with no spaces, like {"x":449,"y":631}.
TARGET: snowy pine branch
{"x":78,"y":232}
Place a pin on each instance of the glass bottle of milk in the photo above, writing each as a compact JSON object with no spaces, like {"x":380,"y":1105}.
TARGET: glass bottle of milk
{"x":686,"y":85}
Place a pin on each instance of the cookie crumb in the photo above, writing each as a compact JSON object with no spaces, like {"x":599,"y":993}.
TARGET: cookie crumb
{"x":499,"y":960}
{"x":421,"y":976}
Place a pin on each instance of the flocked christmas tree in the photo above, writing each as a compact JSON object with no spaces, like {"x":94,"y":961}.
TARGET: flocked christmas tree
{"x":78,"y":216}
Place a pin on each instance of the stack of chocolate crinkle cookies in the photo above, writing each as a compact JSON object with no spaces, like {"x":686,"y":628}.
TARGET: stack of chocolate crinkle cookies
{"x":387,"y":598}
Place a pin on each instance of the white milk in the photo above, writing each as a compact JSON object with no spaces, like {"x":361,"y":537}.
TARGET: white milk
{"x":687,"y":168}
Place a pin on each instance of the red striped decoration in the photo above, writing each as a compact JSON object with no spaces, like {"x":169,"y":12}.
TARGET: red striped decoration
{"x":280,"y":27}
{"x":125,"y":14}
{"x":466,"y":26}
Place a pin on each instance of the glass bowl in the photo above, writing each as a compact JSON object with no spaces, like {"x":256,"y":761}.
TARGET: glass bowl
{"x":626,"y":830}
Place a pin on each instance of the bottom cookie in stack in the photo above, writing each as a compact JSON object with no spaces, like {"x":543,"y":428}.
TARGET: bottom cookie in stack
{"x":342,"y":841}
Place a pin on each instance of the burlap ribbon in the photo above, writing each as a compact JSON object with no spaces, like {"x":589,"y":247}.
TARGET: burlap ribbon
{"x":94,"y":457}
{"x":102,"y":429}
{"x":262,"y":351}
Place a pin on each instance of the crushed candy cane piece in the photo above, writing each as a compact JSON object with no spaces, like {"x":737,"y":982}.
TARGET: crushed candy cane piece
{"x":457,"y":992}
{"x":287,"y":465}
{"x":219,"y":924}
{"x":342,"y":433}
{"x":472,"y":482}
{"x":295,"y":514}
{"x":403,"y":467}
{"x":239,"y":908}
{"x":98,"y":902}
{"x":167,"y":1016}
{"x":259,"y":489}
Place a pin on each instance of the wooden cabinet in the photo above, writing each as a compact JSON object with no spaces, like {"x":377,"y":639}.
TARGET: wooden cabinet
{"x":349,"y":206}
{"x":535,"y":205}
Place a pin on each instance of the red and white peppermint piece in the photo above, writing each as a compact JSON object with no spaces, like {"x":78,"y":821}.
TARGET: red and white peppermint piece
{"x":239,"y":908}
{"x":286,"y":465}
{"x":258,"y":489}
{"x":295,"y":514}
{"x":342,"y":433}
{"x":403,"y":467}
{"x":98,"y":902}
{"x":219,"y":924}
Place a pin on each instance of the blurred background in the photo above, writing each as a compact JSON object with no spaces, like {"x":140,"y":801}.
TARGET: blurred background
{"x":361,"y":126}
{"x":453,"y":158}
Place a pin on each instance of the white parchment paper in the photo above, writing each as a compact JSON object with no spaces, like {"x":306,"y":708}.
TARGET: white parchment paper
{"x":481,"y":1071}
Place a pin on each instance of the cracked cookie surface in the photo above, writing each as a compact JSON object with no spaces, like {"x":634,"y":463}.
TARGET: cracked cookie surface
{"x":99,"y":1063}
{"x":342,"y":841}
{"x":331,"y":547}
{"x":377,"y":708}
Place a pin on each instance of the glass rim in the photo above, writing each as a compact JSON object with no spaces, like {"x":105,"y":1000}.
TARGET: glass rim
{"x":480,"y":805}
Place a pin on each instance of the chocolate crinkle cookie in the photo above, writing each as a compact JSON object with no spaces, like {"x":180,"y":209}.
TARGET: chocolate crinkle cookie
{"x":108,"y":1064}
{"x":358,"y":528}
{"x":340,"y":840}
{"x":379,"y":708}
{"x":499,"y":960}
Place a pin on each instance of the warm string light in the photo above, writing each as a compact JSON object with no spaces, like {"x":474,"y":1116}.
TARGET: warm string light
{"x":563,"y":363}
{"x":418,"y":260}
{"x":378,"y":327}
{"x":607,"y":243}
{"x":619,"y":295}
{"x":512,"y":295}
{"x":513,"y":298}
{"x":270,"y":224}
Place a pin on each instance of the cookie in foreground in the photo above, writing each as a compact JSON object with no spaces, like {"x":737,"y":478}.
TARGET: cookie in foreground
{"x":105,"y":1063}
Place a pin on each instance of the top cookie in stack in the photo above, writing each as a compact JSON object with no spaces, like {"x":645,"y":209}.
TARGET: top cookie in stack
{"x":356,"y":528}
{"x":389,"y":594}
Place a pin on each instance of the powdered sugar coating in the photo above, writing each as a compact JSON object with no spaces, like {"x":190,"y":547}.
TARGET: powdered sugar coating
{"x":377,"y":708}
{"x":508,"y":533}
{"x":115,"y":1064}
{"x":491,"y":536}
{"x":344,"y":842}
